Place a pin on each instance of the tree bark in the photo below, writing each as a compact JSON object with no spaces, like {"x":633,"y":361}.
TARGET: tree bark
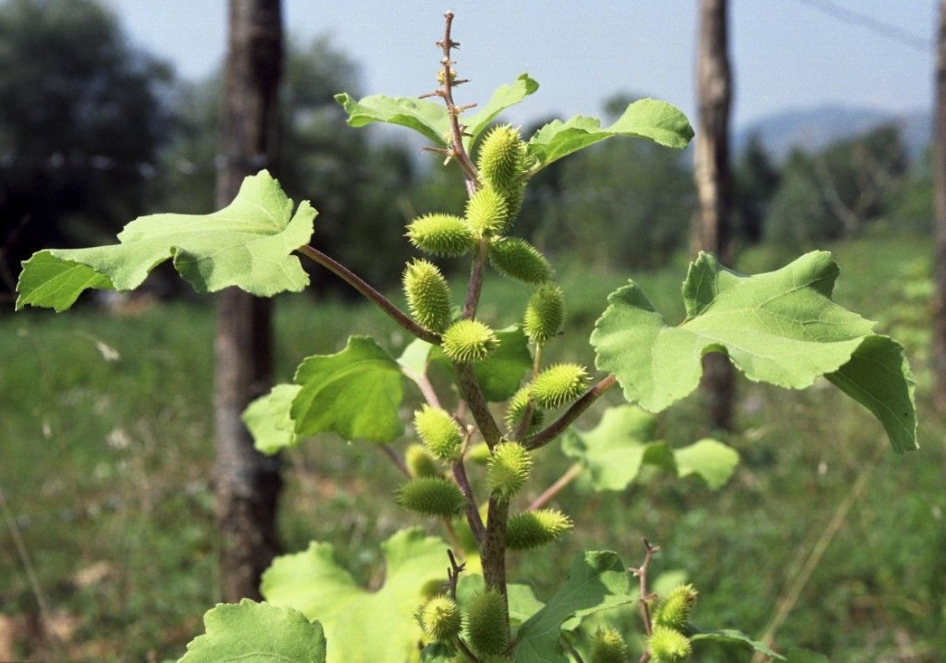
{"x":247,"y":483}
{"x":939,"y":201}
{"x":714,"y":185}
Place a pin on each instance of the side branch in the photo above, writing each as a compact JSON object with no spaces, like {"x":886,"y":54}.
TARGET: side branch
{"x":361,"y":286}
{"x":578,"y":408}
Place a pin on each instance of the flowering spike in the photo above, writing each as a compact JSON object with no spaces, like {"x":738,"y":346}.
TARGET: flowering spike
{"x":440,"y":618}
{"x":486,"y":625}
{"x":531,"y":529}
{"x":441,"y":235}
{"x":428,"y":295}
{"x":469,"y":340}
{"x":668,"y":646}
{"x":508,"y":469}
{"x":487,"y":211}
{"x":430,"y":496}
{"x":545,"y":313}
{"x":517,"y":259}
{"x":439,"y":431}
{"x":559,"y":384}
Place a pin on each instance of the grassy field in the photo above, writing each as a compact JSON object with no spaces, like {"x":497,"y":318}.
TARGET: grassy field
{"x":105,"y":457}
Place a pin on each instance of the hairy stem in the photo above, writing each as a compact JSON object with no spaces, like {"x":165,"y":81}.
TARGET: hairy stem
{"x":473,"y":395}
{"x":362,"y":286}
{"x":472,"y":512}
{"x":493,"y":551}
{"x":577,"y":408}
{"x":458,"y":151}
{"x":476,"y":279}
{"x":556,"y":487}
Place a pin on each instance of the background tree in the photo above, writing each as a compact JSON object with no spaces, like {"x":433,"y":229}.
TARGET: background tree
{"x":756,"y":181}
{"x":82,"y":117}
{"x":835,"y":192}
{"x":712,"y":231}
{"x":248,"y":483}
{"x":359,"y":184}
{"x":939,"y":197}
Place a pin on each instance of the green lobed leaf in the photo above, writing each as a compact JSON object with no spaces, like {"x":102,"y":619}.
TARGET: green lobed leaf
{"x":780,"y":327}
{"x":499,"y":375}
{"x":269,"y":419}
{"x":361,"y":625}
{"x":646,"y":118}
{"x":734,"y":637}
{"x":253,"y":632}
{"x":613,"y":451}
{"x":248,"y":244}
{"x":356,"y":393}
{"x":595,"y":581}
{"x":710,"y":460}
{"x":503,"y":97}
{"x":426,"y":117}
{"x":623,"y":441}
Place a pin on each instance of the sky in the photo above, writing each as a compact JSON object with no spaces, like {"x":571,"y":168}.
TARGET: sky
{"x":786,"y":54}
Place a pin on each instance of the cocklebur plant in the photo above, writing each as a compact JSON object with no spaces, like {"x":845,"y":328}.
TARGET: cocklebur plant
{"x":466,"y":467}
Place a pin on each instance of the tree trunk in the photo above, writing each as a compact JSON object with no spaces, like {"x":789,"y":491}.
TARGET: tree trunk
{"x":247,"y":483}
{"x":939,"y":199}
{"x":712,"y":224}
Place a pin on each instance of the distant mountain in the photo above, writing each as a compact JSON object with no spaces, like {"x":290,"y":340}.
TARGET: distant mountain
{"x":811,"y":129}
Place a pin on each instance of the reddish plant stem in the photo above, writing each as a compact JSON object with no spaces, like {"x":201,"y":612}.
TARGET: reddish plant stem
{"x":473,"y":395}
{"x":398,"y":463}
{"x":571,"y":414}
{"x":556,"y":487}
{"x":476,"y":280}
{"x":641,"y":574}
{"x":365,"y":289}
{"x":458,"y":152}
{"x":472,"y":512}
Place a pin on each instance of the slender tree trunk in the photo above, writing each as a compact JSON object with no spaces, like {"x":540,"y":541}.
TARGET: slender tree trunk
{"x":939,"y":199}
{"x":712,"y":224}
{"x":248,"y":484}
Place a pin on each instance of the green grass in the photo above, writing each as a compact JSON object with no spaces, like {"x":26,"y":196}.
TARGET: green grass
{"x":106,"y":466}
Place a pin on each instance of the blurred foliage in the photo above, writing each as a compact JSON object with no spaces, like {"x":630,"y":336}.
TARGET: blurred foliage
{"x":107,"y":461}
{"x":837,"y":191}
{"x":82,"y":116}
{"x":619,"y":204}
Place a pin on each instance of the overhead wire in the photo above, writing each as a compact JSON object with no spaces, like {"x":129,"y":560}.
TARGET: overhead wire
{"x":871,"y":23}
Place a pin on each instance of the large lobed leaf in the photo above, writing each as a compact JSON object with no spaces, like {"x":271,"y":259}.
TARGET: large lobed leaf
{"x":595,"y":581}
{"x":430,"y":118}
{"x":269,"y":419}
{"x":252,"y":632}
{"x":248,"y":244}
{"x":624,"y":440}
{"x":356,"y":393}
{"x":504,"y":97}
{"x":361,"y":625}
{"x":779,"y":327}
{"x":646,"y":118}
